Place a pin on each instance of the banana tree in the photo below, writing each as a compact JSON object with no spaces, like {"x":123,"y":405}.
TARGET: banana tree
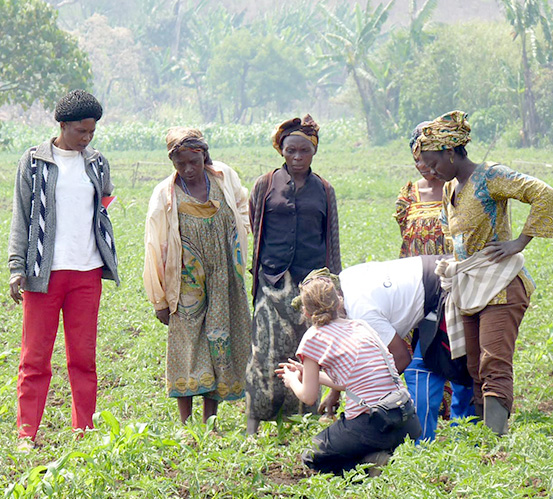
{"x":348,"y":45}
{"x":527,"y":18}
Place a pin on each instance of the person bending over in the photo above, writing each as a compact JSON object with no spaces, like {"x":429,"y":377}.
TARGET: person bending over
{"x":394,"y":297}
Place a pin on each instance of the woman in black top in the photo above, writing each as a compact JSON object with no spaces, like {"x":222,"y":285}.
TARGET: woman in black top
{"x":294,"y":221}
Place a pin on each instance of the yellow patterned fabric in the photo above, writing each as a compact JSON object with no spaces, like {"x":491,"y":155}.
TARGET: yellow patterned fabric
{"x":446,"y":132}
{"x":200,"y":210}
{"x":479,"y":213}
{"x":306,"y":128}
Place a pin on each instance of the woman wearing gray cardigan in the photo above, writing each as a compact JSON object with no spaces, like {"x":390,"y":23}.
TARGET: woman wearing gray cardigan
{"x":61,"y":245}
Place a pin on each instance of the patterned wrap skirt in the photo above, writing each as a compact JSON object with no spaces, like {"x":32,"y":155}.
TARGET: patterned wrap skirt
{"x":276,"y":334}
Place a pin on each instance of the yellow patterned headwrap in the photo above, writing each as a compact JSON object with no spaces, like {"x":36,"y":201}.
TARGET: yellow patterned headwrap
{"x":306,"y":128}
{"x":446,"y":132}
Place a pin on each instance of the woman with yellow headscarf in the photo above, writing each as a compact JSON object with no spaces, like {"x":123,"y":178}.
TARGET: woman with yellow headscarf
{"x":196,"y":243}
{"x":489,"y":286}
{"x":295,"y":227}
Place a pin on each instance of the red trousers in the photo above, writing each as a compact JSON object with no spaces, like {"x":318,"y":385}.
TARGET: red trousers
{"x":77,"y":294}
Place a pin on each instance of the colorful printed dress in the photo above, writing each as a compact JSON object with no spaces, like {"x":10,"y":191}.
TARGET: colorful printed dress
{"x":422,"y":234}
{"x":209,"y":336}
{"x":421,"y":230}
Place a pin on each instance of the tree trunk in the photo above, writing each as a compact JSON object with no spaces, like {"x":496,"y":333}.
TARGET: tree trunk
{"x":242,"y":103}
{"x":530,"y":122}
{"x":364,"y":103}
{"x":178,"y":24}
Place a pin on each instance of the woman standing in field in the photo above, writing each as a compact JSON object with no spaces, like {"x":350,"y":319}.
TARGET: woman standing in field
{"x":487,"y":280}
{"x":294,"y":220}
{"x":418,"y":209}
{"x":196,"y":242}
{"x":61,"y":246}
{"x":346,"y":355}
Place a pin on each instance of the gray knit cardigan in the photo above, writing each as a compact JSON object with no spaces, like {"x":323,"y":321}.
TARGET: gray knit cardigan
{"x":33,"y":228}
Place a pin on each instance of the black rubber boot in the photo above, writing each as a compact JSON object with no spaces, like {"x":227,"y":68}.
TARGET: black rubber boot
{"x":495,"y":415}
{"x":479,"y":411}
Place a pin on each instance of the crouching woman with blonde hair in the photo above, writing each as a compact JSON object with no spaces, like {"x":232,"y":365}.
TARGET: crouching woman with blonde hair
{"x":345,"y":355}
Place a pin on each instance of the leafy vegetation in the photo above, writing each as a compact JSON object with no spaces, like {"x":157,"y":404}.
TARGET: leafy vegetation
{"x":140,"y":449}
{"x":37,"y":59}
{"x":150,"y":135}
{"x":240,"y":62}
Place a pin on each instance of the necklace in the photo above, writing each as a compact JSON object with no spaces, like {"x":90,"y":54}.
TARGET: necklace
{"x":187,"y":191}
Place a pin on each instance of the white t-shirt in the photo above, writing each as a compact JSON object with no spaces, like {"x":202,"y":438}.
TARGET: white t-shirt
{"x":75,"y":244}
{"x":389,"y":296}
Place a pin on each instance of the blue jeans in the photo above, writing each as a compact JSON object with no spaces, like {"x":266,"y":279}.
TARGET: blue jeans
{"x":427,"y":389}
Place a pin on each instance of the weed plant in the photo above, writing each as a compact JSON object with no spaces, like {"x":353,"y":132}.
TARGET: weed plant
{"x":140,"y":449}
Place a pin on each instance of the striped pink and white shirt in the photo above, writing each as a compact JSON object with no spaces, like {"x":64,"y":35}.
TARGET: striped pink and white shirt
{"x":348,"y":352}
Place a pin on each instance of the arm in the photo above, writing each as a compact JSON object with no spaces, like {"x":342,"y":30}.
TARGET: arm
{"x":19,"y":232}
{"x":155,"y":241}
{"x":324,"y":379}
{"x":498,"y":250}
{"x":241,"y":197}
{"x":398,"y":348}
{"x":444,"y":222}
{"x":335,"y":260}
{"x":107,"y":187}
{"x":402,"y":206}
{"x":330,"y":403}
{"x":383,"y":327}
{"x":508,"y":184}
{"x":252,"y":203}
{"x":304,"y":384}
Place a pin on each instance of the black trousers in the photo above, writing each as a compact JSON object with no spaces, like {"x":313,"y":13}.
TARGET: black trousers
{"x":343,"y":445}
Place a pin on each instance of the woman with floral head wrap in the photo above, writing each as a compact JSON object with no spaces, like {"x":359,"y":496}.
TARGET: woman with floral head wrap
{"x":196,"y":242}
{"x":489,"y":286}
{"x":295,"y":227}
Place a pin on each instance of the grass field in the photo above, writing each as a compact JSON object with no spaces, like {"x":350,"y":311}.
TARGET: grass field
{"x":140,"y":449}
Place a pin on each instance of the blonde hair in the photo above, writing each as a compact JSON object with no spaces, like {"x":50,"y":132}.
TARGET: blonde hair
{"x":321,"y":301}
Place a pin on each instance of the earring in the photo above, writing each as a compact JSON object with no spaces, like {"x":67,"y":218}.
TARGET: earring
{"x":451,"y":159}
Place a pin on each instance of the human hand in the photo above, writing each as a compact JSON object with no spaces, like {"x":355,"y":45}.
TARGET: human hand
{"x":292,"y":365}
{"x":499,"y":250}
{"x":289,"y":376}
{"x":163,"y":316}
{"x":329,"y":405}
{"x":17,"y":282}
